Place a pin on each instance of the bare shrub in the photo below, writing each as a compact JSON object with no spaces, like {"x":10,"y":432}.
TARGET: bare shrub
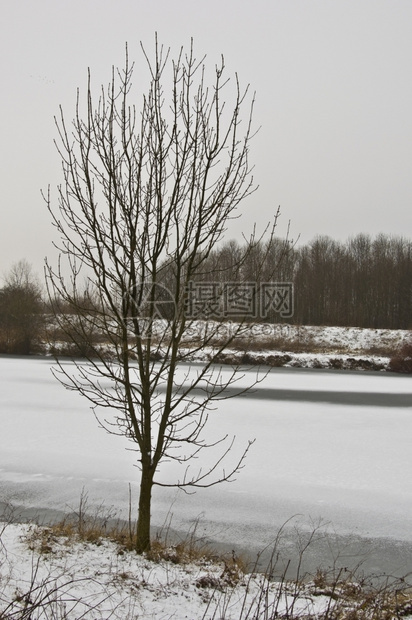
{"x":402,"y":360}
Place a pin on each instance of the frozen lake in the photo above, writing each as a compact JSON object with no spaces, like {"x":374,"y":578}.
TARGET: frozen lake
{"x":331,"y":446}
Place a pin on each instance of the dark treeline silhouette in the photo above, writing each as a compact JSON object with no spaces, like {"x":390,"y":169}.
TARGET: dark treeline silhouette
{"x":362,"y":282}
{"x":21,"y":311}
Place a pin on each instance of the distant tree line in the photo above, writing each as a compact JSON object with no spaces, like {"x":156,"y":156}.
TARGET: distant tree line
{"x":363,"y":282}
{"x":21,"y":311}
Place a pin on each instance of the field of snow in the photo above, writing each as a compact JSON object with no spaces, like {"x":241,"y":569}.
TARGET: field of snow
{"x":329,"y":445}
{"x":306,"y":346}
{"x":74,"y":580}
{"x":45,"y":575}
{"x":349,"y":339}
{"x":331,"y":454}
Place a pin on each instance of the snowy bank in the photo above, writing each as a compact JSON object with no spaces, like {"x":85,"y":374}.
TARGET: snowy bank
{"x":43,"y":575}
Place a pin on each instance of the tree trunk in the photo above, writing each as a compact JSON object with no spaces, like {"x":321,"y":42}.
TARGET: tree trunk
{"x":144,"y":517}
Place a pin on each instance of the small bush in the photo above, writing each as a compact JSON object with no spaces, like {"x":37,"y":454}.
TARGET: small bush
{"x":402,"y":361}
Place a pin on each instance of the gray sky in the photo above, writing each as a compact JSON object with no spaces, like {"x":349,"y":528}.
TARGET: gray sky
{"x":334,"y":99}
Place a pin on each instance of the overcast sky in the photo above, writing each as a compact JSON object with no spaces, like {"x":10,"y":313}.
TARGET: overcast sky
{"x":334,"y":99}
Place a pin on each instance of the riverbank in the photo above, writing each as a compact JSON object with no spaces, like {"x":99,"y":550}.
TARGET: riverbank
{"x":280,"y":345}
{"x":305,"y":346}
{"x":68,"y":572}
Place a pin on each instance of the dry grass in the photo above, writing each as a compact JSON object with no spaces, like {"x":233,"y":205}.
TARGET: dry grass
{"x":256,"y":344}
{"x":402,"y":360}
{"x":383,"y":350}
{"x":291,"y":344}
{"x":345,"y":594}
{"x":102,"y":524}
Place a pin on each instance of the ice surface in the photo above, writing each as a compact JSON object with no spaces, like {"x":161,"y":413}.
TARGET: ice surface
{"x":345,"y":463}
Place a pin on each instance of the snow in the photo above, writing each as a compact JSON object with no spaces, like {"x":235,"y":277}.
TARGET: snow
{"x":77,"y":579}
{"x":333,"y":447}
{"x":348,"y":338}
{"x":343,"y":462}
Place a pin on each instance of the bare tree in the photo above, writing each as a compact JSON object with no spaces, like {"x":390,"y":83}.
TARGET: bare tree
{"x":146,"y":194}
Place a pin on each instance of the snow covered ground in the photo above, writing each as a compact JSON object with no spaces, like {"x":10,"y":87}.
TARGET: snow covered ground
{"x":303,"y":346}
{"x":333,"y":448}
{"x":73,"y":580}
{"x":48,"y":576}
{"x":349,"y":339}
{"x":329,"y":445}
